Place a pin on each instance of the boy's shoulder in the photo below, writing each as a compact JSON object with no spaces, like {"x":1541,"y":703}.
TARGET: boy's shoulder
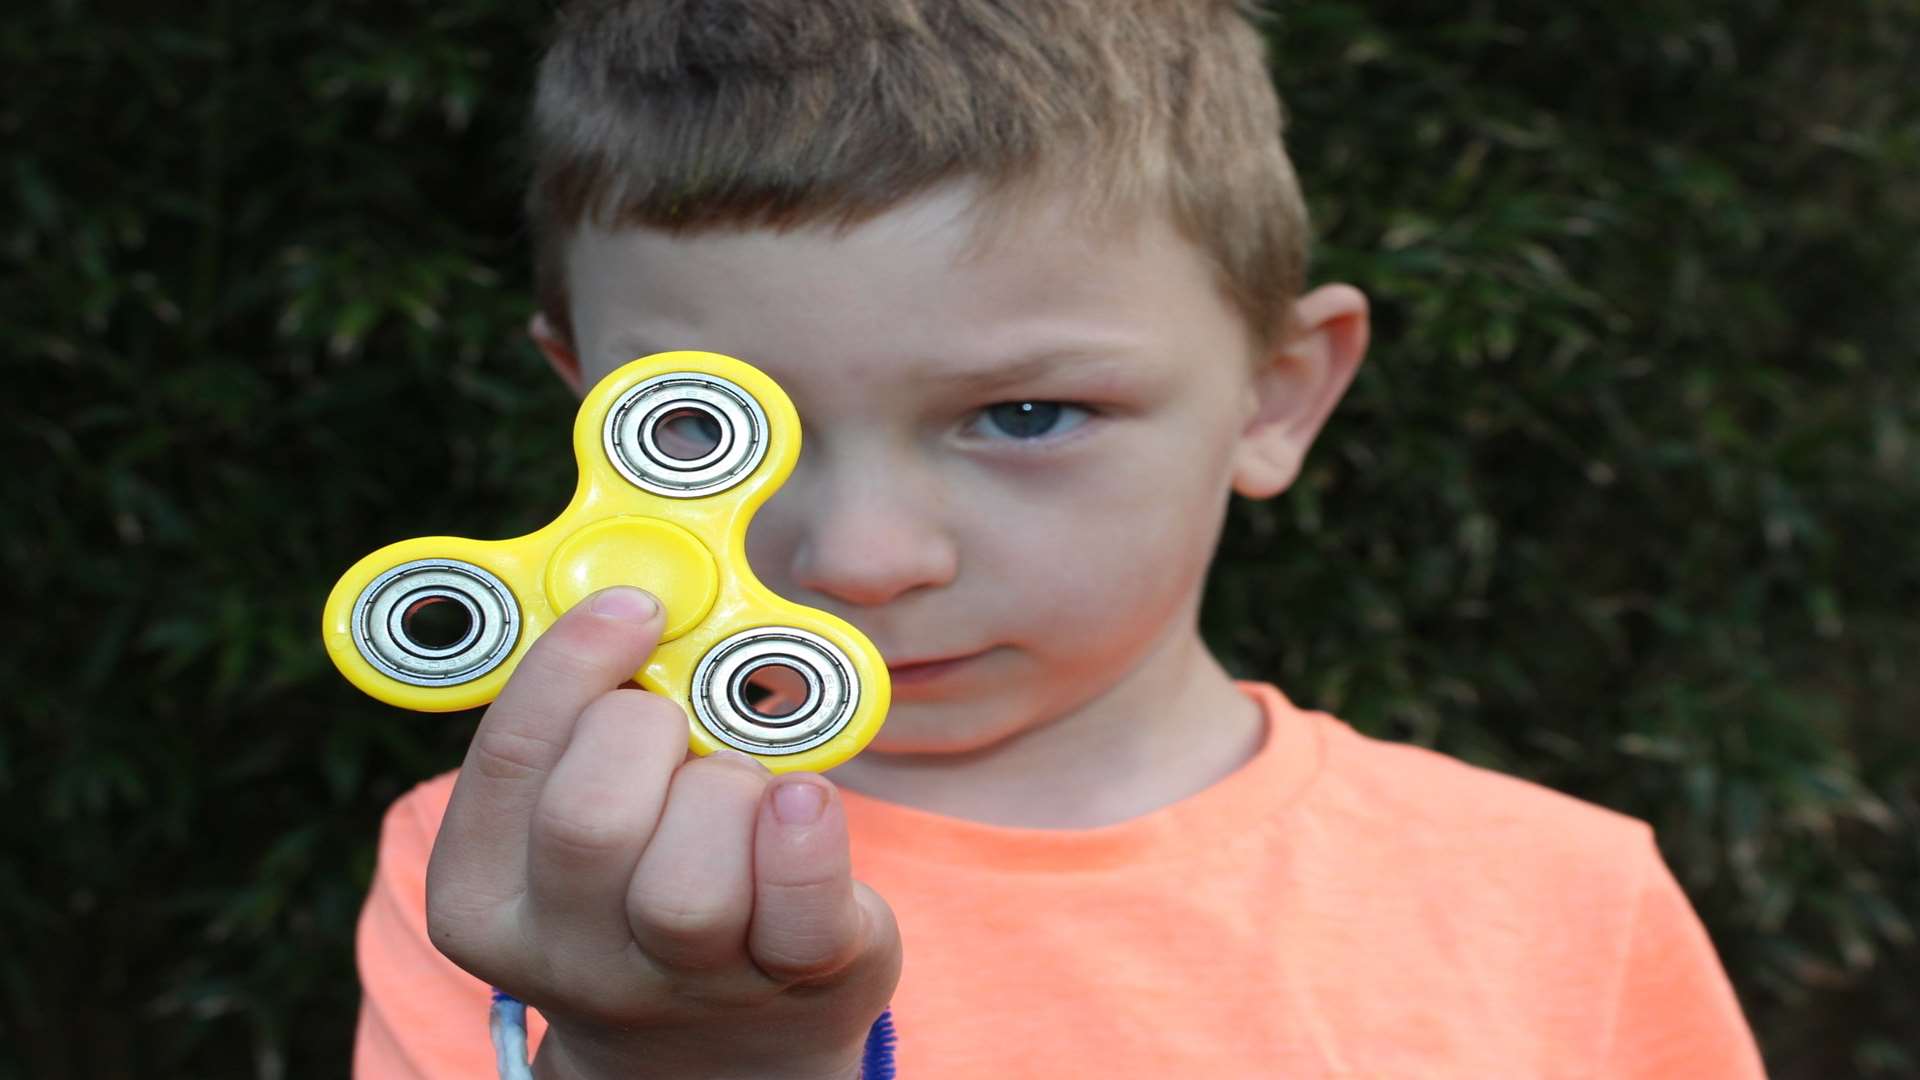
{"x":1378,"y":779}
{"x":1417,"y":780}
{"x":1425,"y":806}
{"x":413,"y":820}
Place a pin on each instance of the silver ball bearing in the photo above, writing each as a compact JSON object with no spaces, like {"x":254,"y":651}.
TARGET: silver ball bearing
{"x":637,"y":445}
{"x":487,"y":622}
{"x":723,"y":704}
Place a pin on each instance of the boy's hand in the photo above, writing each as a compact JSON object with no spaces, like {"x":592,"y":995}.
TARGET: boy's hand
{"x":668,"y":917}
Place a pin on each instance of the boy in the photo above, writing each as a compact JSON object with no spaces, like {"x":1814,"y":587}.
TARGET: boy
{"x":1033,"y":274}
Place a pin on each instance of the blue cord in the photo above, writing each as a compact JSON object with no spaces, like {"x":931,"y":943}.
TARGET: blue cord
{"x":507,"y":1024}
{"x":877,"y":1062}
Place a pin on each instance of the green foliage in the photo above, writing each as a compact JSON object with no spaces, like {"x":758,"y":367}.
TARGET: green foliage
{"x":1627,"y":499}
{"x":261,"y":301}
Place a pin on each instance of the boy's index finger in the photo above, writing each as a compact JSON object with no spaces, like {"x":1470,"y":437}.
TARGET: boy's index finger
{"x":590,"y":650}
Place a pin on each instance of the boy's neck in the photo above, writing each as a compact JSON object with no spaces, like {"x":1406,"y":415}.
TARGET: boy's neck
{"x":1174,"y":726}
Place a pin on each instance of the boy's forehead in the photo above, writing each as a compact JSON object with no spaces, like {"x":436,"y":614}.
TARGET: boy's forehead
{"x":954,"y":225}
{"x":946,"y":274}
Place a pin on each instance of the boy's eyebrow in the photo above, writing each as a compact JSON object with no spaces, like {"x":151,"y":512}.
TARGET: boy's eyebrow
{"x":1078,"y":360}
{"x":1093,"y":358}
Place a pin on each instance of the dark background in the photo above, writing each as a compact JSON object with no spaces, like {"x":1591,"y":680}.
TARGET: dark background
{"x":1627,"y":498}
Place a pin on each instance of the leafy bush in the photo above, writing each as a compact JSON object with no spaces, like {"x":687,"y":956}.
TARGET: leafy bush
{"x":1626,"y":499}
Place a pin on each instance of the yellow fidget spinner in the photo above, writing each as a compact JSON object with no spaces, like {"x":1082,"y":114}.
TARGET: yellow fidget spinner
{"x":676,"y":453}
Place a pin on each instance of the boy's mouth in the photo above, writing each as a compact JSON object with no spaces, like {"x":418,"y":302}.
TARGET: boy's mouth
{"x":919,"y":671}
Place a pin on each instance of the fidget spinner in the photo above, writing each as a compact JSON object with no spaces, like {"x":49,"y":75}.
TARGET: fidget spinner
{"x":676,"y":452}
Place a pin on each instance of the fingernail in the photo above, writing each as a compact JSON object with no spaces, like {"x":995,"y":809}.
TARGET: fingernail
{"x":799,"y":802}
{"x":622,"y":602}
{"x":748,"y":760}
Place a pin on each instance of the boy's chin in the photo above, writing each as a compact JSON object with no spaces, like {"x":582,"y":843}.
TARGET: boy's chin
{"x":923,"y":728}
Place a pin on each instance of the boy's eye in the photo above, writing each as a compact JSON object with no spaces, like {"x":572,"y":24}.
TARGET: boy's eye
{"x":1033,"y":419}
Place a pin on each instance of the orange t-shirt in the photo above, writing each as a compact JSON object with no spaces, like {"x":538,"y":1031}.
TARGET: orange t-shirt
{"x":1338,"y":907}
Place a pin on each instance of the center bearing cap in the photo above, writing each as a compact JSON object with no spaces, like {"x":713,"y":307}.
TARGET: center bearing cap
{"x":658,"y":556}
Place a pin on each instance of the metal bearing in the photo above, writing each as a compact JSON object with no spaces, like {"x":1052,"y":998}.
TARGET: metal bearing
{"x":633,"y":443}
{"x":723,"y":707}
{"x":382,"y":614}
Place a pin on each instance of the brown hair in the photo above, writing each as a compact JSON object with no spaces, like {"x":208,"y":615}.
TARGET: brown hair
{"x":690,"y":114}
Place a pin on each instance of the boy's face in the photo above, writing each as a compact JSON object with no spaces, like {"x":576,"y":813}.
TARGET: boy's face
{"x":1017,"y":455}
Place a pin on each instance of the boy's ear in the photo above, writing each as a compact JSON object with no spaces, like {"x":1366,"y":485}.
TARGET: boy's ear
{"x":1296,"y":387}
{"x":558,"y":351}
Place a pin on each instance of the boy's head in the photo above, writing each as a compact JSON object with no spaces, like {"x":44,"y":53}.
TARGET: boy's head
{"x":1030,"y":270}
{"x":693,"y":114}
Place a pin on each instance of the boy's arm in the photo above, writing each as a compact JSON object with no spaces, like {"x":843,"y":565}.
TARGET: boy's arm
{"x":1677,"y":1014}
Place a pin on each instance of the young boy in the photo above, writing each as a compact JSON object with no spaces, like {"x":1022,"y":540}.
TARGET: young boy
{"x":1033,"y":274}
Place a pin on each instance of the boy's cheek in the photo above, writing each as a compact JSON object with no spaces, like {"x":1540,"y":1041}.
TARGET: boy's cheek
{"x":1082,"y":599}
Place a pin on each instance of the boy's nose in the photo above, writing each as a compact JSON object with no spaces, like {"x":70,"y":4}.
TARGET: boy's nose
{"x":864,"y":541}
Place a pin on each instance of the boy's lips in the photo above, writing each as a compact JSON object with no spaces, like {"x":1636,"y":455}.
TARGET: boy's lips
{"x":919,"y":671}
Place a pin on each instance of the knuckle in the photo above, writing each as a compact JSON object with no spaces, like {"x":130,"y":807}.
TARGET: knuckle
{"x":810,"y":938}
{"x":572,"y":830}
{"x":567,"y":661}
{"x":641,"y":707}
{"x":500,"y":754}
{"x":879,"y":925}
{"x":685,"y":924}
{"x":683,"y":933}
{"x":800,"y":957}
{"x":579,"y":648}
